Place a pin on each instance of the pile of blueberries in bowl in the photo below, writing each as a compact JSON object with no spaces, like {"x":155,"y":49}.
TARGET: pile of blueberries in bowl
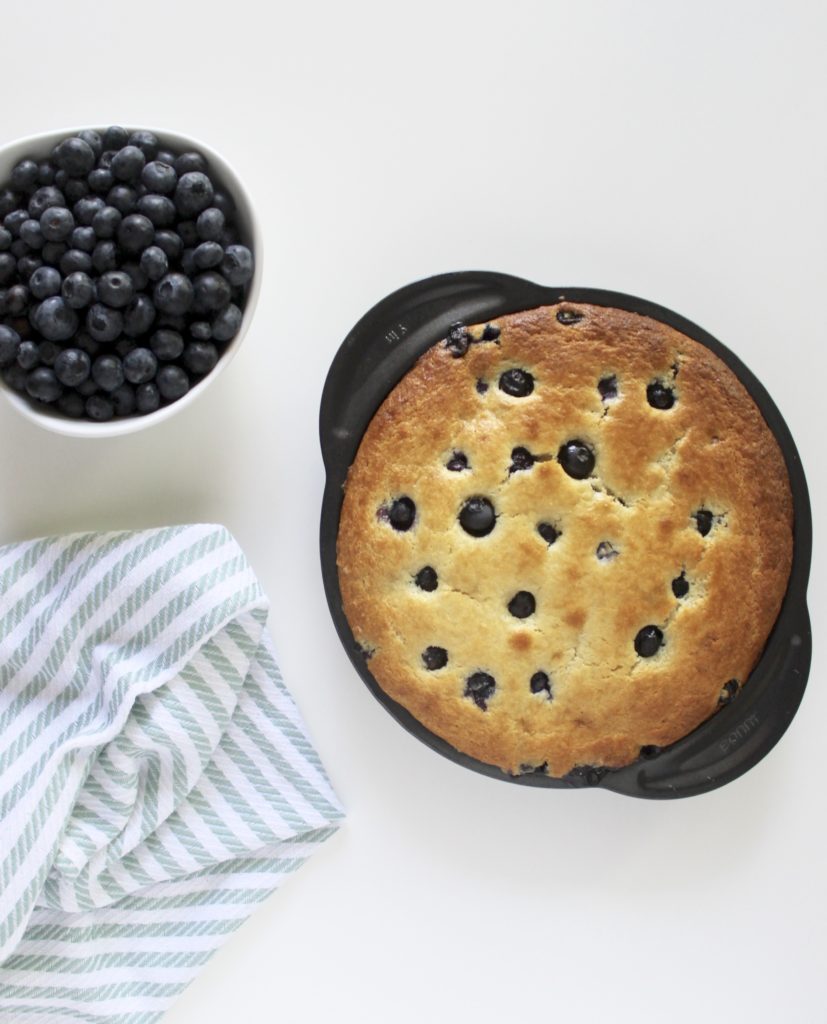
{"x":124,"y":274}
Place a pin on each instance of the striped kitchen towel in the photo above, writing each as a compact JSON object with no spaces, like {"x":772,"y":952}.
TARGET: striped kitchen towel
{"x":156,"y":780}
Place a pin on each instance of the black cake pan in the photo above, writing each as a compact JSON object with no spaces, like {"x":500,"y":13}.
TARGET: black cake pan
{"x":375,"y":356}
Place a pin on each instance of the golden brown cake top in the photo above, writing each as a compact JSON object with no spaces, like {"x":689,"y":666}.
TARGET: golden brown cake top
{"x":621,"y":562}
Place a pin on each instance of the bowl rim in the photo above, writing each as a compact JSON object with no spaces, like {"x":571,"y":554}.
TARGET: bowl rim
{"x":371,"y":360}
{"x":55,"y":422}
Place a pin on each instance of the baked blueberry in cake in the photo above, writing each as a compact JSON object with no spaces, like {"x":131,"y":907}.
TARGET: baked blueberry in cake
{"x":565,"y":538}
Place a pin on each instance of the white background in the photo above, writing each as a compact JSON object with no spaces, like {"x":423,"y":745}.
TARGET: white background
{"x":670,"y":150}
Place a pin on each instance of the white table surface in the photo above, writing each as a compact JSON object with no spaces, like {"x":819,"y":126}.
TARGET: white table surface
{"x":670,"y":150}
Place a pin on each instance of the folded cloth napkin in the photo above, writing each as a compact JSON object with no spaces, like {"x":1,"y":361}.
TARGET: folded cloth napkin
{"x":156,"y":779}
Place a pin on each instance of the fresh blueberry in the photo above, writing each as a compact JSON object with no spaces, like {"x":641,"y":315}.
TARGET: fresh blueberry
{"x":170,"y":243}
{"x":521,"y":459}
{"x":72,"y":367}
{"x":680,"y":585}
{"x":123,"y":198}
{"x":193,"y":193}
{"x":92,"y":140}
{"x":85,"y":210}
{"x":200,"y":357}
{"x":123,"y":346}
{"x":14,"y":221}
{"x":103,"y":323}
{"x":200,"y":330}
{"x":703,"y":520}
{"x":159,"y":177}
{"x":27,"y":265}
{"x":457,"y":463}
{"x":55,"y":319}
{"x":456,"y":342}
{"x":517,"y":383}
{"x":164,"y":156}
{"x":71,"y":404}
{"x":207,"y":255}
{"x":212,"y":292}
{"x":548,"y":532}
{"x":10,"y":200}
{"x":188,"y":231}
{"x":210,"y":224}
{"x":87,"y":388}
{"x":75,"y":261}
{"x":648,"y":641}
{"x":48,"y":351}
{"x":227,"y":323}
{"x":6,"y":236}
{"x":477,"y":517}
{"x":115,"y":289}
{"x":45,"y":197}
{"x":53,"y":252}
{"x":45,"y":281}
{"x":135,"y":232}
{"x":426,"y":579}
{"x":577,"y":459}
{"x":189,"y":162}
{"x":567,"y":317}
{"x":124,"y":400}
{"x":75,"y":189}
{"x":522,"y":604}
{"x":17,"y":300}
{"x":154,"y":262}
{"x":15,"y":377}
{"x":106,"y":222}
{"x":188,"y":262}
{"x":8,"y":267}
{"x":402,"y":514}
{"x":174,"y":294}
{"x":18,"y":248}
{"x":223,"y":201}
{"x":57,"y":224}
{"x":159,"y":210}
{"x":147,"y":398}
{"x":136,"y":273}
{"x":107,"y":372}
{"x":659,"y":396}
{"x":24,"y":176}
{"x":607,"y":386}
{"x":86,"y":342}
{"x":83,"y":238}
{"x":78,"y":289}
{"x":105,"y":256}
{"x":480,"y":687}
{"x":146,"y":141}
{"x":127,"y":164}
{"x":139,"y":316}
{"x":540,"y":683}
{"x":99,"y":408}
{"x":173,"y":383}
{"x":237,"y":265}
{"x":166,"y":344}
{"x":115,"y":137}
{"x":100,"y":180}
{"x":9,"y":345}
{"x":28,"y":355}
{"x":45,"y":173}
{"x":434,"y":658}
{"x":43,"y":385}
{"x":32,"y":233}
{"x":140,"y":366}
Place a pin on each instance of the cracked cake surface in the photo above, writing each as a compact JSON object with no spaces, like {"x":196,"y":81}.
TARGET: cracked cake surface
{"x":565,"y":538}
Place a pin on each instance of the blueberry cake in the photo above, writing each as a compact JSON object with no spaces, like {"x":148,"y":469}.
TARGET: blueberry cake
{"x":565,"y":538}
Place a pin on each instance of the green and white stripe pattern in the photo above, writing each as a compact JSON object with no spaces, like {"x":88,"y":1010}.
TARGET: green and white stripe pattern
{"x":156,"y":779}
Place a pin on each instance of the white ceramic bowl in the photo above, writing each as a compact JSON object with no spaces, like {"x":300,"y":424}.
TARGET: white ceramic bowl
{"x":38,"y":147}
